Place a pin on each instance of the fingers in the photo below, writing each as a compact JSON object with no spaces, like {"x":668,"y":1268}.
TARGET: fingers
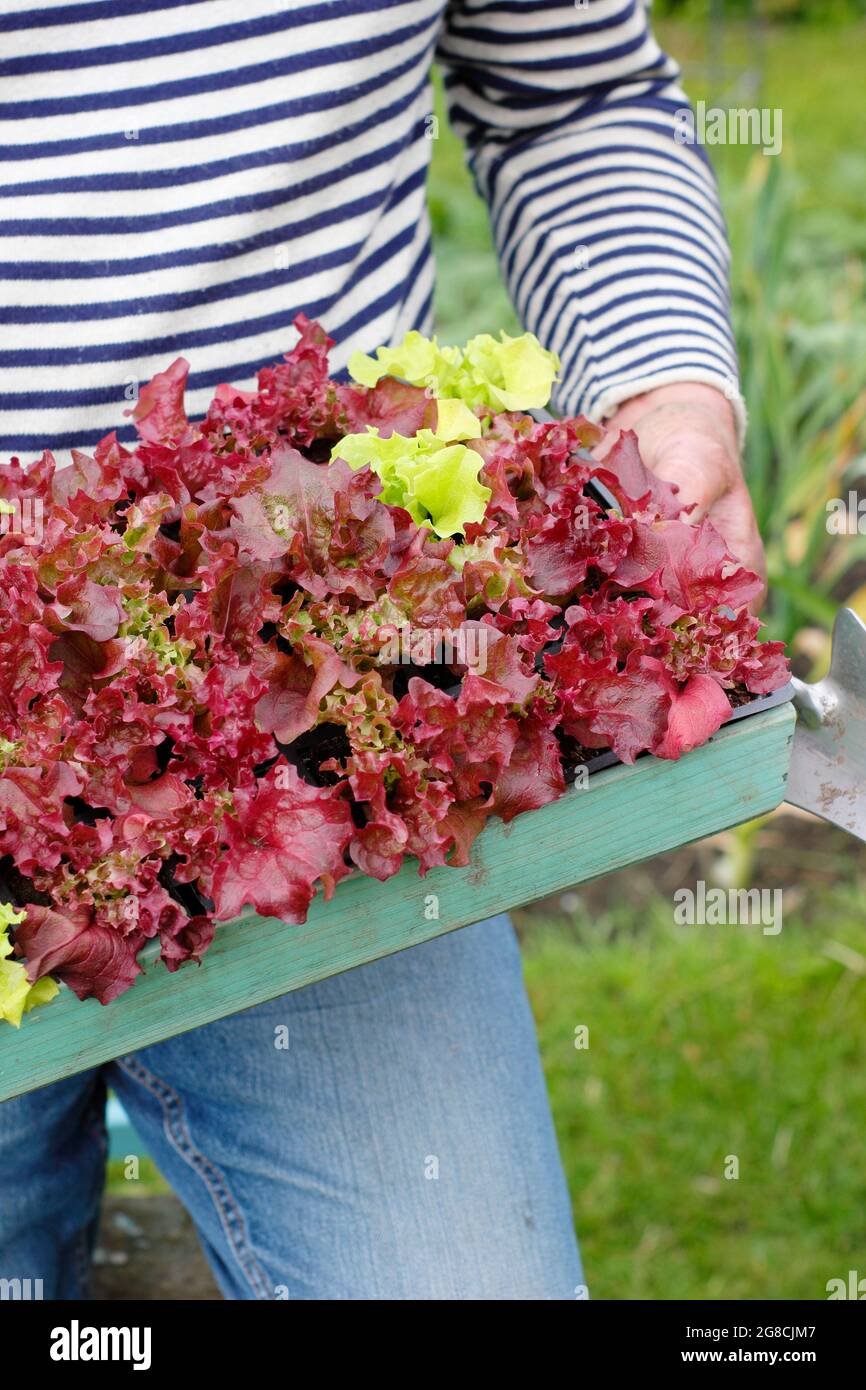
{"x":709,"y":479}
{"x":700,"y":468}
{"x":683,"y":443}
{"x":687,"y":435}
{"x":734,"y":519}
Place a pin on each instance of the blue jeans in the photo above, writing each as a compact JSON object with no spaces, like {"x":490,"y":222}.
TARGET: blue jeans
{"x":382,"y":1135}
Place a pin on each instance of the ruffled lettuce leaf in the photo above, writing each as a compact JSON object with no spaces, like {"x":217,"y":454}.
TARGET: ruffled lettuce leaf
{"x":212,"y":688}
{"x":506,"y":374}
{"x":284,"y":837}
{"x":91,"y":957}
{"x":17,"y":995}
{"x":436,"y":483}
{"x":454,"y":420}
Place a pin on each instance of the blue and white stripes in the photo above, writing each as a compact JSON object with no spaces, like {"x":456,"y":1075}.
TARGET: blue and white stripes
{"x":608,"y":228}
{"x":185,"y":177}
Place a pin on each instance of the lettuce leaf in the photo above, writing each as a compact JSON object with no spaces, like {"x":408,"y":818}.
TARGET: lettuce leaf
{"x":437,"y":483}
{"x":508,"y":374}
{"x":17,"y":995}
{"x":230,"y":669}
{"x":454,"y":420}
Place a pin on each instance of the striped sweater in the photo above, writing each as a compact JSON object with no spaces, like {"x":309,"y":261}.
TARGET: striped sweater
{"x":184,"y":176}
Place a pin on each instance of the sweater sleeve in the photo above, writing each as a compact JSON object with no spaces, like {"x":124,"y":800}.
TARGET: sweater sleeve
{"x":607,"y":223}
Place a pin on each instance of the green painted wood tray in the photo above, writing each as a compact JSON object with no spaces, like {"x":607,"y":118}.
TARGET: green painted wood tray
{"x":624,"y":814}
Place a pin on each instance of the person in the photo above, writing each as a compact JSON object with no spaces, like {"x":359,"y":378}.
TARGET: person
{"x":182,"y":177}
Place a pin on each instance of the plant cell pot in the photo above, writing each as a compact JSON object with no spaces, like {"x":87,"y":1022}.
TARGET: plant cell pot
{"x":620,"y":815}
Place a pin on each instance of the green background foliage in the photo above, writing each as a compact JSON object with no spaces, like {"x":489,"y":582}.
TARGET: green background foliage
{"x":704,"y":1041}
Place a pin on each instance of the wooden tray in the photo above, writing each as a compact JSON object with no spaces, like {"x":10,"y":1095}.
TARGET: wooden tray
{"x":624,"y":814}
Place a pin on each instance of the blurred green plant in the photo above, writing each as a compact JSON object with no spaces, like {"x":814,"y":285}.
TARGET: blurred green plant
{"x":149,"y":1182}
{"x":799,"y":301}
{"x":706,"y":1044}
{"x":779,"y":11}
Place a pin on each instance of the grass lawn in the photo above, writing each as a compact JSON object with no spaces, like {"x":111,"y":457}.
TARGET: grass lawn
{"x":706,"y":1043}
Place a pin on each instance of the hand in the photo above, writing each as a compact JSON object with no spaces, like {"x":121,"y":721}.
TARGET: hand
{"x":687,"y":435}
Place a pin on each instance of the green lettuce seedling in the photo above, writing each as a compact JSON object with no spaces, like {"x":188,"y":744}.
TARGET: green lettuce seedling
{"x":17,"y":995}
{"x":508,"y":374}
{"x":436,"y":482}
